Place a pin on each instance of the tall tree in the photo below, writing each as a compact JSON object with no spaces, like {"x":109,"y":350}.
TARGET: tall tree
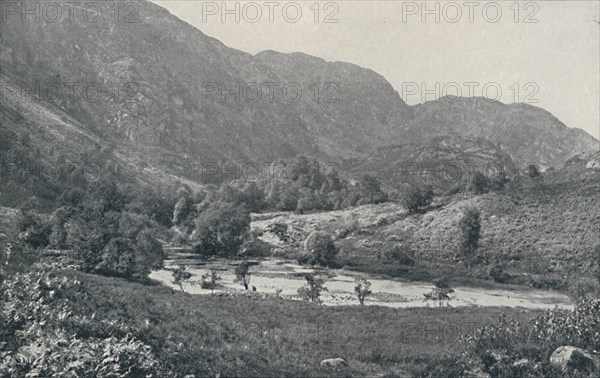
{"x":470,"y":226}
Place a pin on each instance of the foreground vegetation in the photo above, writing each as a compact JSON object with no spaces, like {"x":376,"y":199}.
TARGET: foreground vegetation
{"x":96,"y":313}
{"x":61,"y":321}
{"x":56,"y":320}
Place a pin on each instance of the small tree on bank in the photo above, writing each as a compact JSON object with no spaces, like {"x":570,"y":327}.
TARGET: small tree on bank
{"x":181,"y":277}
{"x":440,"y":293}
{"x":209,"y":280}
{"x":311,"y":291}
{"x":470,"y":226}
{"x":242,"y":274}
{"x":362,"y":289}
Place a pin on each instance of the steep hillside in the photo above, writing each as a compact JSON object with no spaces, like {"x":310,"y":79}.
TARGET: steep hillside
{"x":163,"y":87}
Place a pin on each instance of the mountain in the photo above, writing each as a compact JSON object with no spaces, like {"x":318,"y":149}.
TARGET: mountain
{"x":158,"y":92}
{"x":527,"y":133}
{"x":156,"y":77}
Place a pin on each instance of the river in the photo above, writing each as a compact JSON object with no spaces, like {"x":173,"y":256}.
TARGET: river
{"x":272,"y":275}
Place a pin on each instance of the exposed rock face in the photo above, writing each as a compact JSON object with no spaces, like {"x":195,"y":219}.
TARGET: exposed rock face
{"x":570,"y":358}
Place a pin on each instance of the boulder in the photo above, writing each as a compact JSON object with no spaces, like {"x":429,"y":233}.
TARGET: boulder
{"x":334,"y":362}
{"x":569,"y":358}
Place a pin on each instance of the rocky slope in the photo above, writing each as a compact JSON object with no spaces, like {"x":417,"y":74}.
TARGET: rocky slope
{"x":441,"y":162}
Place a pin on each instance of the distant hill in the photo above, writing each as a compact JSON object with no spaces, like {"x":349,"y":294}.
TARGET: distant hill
{"x":527,"y":133}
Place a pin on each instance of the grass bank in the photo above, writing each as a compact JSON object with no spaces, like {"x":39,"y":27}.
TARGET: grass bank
{"x":268,"y":337}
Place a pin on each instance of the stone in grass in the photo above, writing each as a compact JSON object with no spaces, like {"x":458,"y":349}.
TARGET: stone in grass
{"x":334,"y":362}
{"x":570,"y":358}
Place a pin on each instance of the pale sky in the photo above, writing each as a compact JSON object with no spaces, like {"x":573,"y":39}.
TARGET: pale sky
{"x":555,"y":61}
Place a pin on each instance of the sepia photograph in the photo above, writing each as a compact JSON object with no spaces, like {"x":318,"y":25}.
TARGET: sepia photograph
{"x":307,"y":188}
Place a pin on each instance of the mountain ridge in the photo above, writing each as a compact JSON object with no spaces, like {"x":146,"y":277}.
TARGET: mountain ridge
{"x":175,"y":121}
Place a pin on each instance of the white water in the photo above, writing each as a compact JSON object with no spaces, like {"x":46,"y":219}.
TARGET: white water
{"x":271,"y":275}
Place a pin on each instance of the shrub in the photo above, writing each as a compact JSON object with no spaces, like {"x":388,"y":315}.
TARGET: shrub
{"x":321,"y":249}
{"x":254,"y":247}
{"x":280,"y":229}
{"x":181,"y":277}
{"x":532,"y":171}
{"x":362,"y":289}
{"x":417,"y":198}
{"x":535,"y":341}
{"x":209,"y":280}
{"x":34,"y":231}
{"x":311,"y":291}
{"x":43,"y":334}
{"x":498,"y":274}
{"x":242,"y":274}
{"x":479,"y":183}
{"x":440,"y":293}
{"x":401,"y":254}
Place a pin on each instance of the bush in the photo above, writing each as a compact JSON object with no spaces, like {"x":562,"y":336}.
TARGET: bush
{"x":440,"y":293}
{"x":42,"y":335}
{"x":321,"y":249}
{"x":498,"y":274}
{"x":401,"y":254}
{"x":209,"y":280}
{"x":181,"y":277}
{"x":311,"y":291}
{"x":254,"y":247}
{"x":362,"y":289}
{"x":534,"y":341}
{"x":417,"y":198}
{"x":280,"y":229}
{"x":34,"y":231}
{"x":479,"y":183}
{"x":242,"y":274}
